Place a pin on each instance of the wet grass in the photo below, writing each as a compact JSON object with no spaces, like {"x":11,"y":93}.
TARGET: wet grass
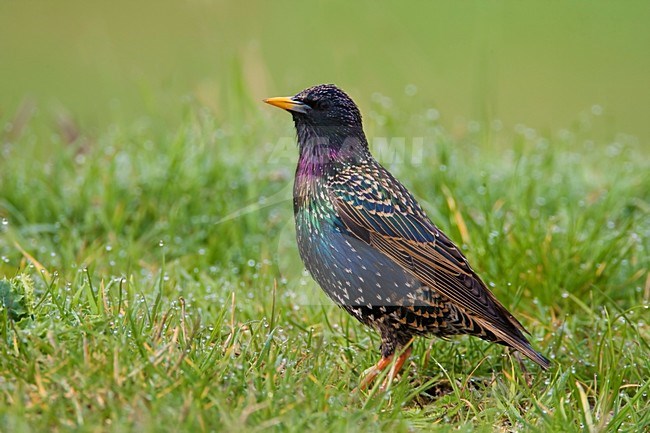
{"x":168,"y":295}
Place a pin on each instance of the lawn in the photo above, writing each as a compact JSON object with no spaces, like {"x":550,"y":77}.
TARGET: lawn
{"x":149,"y":279}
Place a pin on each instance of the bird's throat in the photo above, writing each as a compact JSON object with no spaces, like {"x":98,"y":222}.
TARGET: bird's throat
{"x":322,"y":157}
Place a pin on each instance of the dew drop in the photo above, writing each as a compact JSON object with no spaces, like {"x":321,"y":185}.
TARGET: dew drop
{"x":596,"y":110}
{"x":433,"y":114}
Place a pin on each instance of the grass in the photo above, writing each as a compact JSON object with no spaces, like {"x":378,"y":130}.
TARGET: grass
{"x":164,"y":293}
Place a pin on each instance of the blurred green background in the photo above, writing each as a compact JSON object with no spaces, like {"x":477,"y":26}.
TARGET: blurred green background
{"x":540,"y":64}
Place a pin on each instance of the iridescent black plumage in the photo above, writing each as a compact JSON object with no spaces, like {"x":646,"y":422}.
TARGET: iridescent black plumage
{"x":370,"y":246}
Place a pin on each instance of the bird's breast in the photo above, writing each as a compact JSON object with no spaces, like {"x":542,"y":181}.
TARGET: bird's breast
{"x":350,"y":271}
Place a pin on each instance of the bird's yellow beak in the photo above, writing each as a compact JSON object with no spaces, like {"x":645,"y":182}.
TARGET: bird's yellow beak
{"x":288,"y":103}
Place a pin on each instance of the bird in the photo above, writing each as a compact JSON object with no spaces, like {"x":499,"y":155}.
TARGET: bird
{"x":370,"y":246}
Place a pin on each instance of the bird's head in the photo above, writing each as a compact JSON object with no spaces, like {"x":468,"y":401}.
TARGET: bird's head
{"x":325,"y":118}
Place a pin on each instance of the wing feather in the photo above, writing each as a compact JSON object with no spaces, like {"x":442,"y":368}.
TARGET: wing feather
{"x":404,"y":233}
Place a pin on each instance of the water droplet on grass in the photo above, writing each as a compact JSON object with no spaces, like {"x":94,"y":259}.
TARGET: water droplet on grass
{"x":411,"y":89}
{"x":596,"y":110}
{"x":433,"y":114}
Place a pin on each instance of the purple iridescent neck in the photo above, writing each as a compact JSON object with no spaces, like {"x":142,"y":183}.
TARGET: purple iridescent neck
{"x":324,"y":150}
{"x":318,"y":161}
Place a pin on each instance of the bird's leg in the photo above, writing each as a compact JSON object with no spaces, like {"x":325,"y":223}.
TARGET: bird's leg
{"x":395,"y":367}
{"x":370,"y":374}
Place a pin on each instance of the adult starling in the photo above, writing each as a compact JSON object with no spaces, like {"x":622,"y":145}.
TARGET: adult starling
{"x":370,"y":246}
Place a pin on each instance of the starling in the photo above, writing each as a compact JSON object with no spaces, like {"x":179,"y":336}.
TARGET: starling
{"x":367,"y":242}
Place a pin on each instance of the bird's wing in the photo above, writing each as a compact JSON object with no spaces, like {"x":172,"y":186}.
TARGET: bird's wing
{"x":381,"y":212}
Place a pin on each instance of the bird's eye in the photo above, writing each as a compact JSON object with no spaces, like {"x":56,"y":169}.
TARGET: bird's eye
{"x":323,"y":104}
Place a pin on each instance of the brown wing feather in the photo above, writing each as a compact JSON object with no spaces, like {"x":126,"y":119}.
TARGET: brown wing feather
{"x":438,"y":263}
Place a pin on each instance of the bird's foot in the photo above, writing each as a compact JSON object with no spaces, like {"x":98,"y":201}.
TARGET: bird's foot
{"x":371,"y":374}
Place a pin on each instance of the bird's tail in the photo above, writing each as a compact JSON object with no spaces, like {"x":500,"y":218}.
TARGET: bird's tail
{"x":517,"y":341}
{"x":527,"y":350}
